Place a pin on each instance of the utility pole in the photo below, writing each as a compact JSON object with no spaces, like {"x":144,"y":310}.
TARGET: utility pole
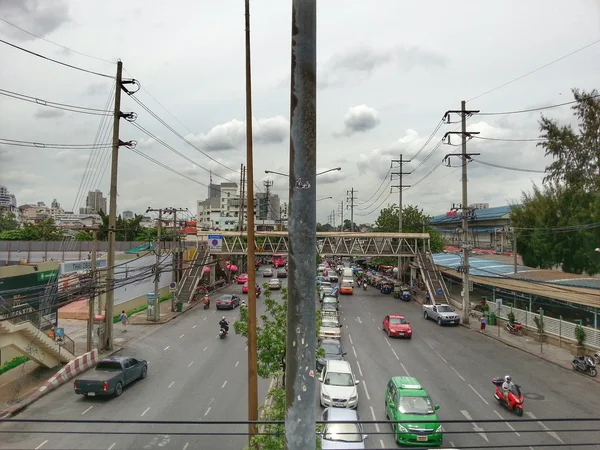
{"x":515,"y":256}
{"x":92,"y":313}
{"x":252,"y":349}
{"x":175,"y":251}
{"x":466,"y":211}
{"x":301,"y":342}
{"x":241,"y":209}
{"x":268,"y":184}
{"x":157,"y":252}
{"x":401,"y":161}
{"x":112,"y":209}
{"x":350,"y":199}
{"x":342,"y":216}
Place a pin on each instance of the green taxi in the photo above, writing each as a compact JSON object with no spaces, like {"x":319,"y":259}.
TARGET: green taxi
{"x":407,"y":402}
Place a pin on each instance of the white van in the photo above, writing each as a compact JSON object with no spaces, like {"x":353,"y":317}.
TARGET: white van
{"x":348,"y":273}
{"x":338,"y":385}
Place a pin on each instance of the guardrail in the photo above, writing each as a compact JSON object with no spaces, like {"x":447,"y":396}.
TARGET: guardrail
{"x":67,"y":344}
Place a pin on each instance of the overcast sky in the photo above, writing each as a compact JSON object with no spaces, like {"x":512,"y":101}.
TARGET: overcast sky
{"x":387,"y":72}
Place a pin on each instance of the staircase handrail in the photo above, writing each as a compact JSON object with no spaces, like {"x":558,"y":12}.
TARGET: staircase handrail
{"x":187,"y":271}
{"x":68,"y":343}
{"x":198,"y":278}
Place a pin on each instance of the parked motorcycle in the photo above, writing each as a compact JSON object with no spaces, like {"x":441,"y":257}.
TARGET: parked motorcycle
{"x":596,"y":358}
{"x":514,"y":402}
{"x":223,"y":333}
{"x":585,"y":364}
{"x":515,"y":328}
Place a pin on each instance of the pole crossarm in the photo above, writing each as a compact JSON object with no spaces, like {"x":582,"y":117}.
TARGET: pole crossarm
{"x":328,"y":243}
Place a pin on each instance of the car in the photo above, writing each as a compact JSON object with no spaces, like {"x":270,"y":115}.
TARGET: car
{"x":228,"y":301}
{"x":329,"y":299}
{"x":245,"y":288}
{"x":443,"y":314}
{"x":333,"y":352}
{"x":338,"y":385}
{"x":342,"y":430}
{"x":267,"y":273}
{"x":243,"y":278}
{"x":111,"y":375}
{"x":282,"y":274}
{"x":396,"y":325}
{"x":330,"y":326}
{"x":406,"y":401}
{"x":329,"y":307}
{"x":320,"y":280}
{"x":332,"y":276}
{"x":347,"y":287}
{"x":274,"y":283}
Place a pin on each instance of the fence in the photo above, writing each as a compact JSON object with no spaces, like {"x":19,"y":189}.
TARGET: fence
{"x":559,"y":328}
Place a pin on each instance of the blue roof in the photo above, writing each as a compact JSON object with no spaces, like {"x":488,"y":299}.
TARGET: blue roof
{"x":499,"y":212}
{"x":495,"y":269}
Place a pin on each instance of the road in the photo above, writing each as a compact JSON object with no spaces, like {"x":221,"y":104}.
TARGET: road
{"x":193,"y":375}
{"x":456,"y":365}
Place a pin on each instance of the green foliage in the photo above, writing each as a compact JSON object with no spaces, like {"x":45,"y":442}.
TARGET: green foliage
{"x":539,"y":323}
{"x":8,"y":221}
{"x":46,"y":230}
{"x":84,"y":236}
{"x":131,"y":230}
{"x":319,"y":259}
{"x":511,"y":317}
{"x":580,"y":335}
{"x":15,"y":362}
{"x":325,"y":227}
{"x":131,"y":312}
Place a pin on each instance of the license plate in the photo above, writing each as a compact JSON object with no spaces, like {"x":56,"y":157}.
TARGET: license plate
{"x":422,"y":438}
{"x":91,"y":394}
{"x":338,"y":404}
{"x":401,"y":333}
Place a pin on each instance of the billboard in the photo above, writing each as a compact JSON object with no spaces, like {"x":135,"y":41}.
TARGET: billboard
{"x":32,"y":297}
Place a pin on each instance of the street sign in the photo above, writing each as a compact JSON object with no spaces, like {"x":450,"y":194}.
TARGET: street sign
{"x":440,"y":291}
{"x":215,"y":243}
{"x":59,"y":332}
{"x":60,"y":340}
{"x":78,"y":266}
{"x":498,"y":304}
{"x":172,"y":287}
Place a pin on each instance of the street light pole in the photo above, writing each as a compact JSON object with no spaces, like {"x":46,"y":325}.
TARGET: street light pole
{"x":320,"y":173}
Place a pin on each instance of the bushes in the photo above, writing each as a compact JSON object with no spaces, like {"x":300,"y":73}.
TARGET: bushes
{"x":15,"y":362}
{"x":139,"y":309}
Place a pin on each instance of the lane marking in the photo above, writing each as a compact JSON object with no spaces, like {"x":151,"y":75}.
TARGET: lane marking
{"x":366,"y":392}
{"x":479,"y":430}
{"x":112,"y":446}
{"x":359,"y":368}
{"x":196,"y":325}
{"x":236,"y":364}
{"x":442,"y":357}
{"x":354,"y":351}
{"x":86,"y":410}
{"x":381,"y":443}
{"x":224,"y":384}
{"x":350,"y":337}
{"x":172,"y":383}
{"x":204,"y":318}
{"x":167,"y":348}
{"x":374,"y":418}
{"x":190,"y":364}
{"x":405,"y":371}
{"x":211,"y":401}
{"x":359,"y":320}
{"x":459,"y":375}
{"x":42,"y":444}
{"x":147,"y":409}
{"x":388,"y":342}
{"x":186,"y":445}
{"x":395,"y":354}
{"x":214,"y":312}
{"x":246,"y":349}
{"x":541,"y":424}
{"x":480,"y":396}
{"x":181,"y":336}
{"x":427,"y":342}
{"x":204,"y":349}
{"x":207,"y":411}
{"x":452,"y":444}
{"x":379,"y":328}
{"x":507,"y":424}
{"x":372,"y":318}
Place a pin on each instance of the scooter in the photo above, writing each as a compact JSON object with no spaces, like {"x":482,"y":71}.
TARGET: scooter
{"x":365,"y":286}
{"x":514,"y":402}
{"x":515,"y":328}
{"x":223,"y":333}
{"x":585,"y":364}
{"x":206,"y":302}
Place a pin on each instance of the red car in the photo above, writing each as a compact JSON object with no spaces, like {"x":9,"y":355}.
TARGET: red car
{"x":396,"y":325}
{"x":243,"y":278}
{"x":245,"y":288}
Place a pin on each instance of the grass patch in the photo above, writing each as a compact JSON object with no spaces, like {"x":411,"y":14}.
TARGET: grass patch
{"x":15,"y":362}
{"x":133,"y":311}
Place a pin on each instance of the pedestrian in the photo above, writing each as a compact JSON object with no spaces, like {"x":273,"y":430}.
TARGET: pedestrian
{"x":483,"y":323}
{"x":124,"y":319}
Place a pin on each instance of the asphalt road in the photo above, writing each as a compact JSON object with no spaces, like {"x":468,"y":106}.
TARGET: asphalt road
{"x":193,"y":375}
{"x":456,"y":366}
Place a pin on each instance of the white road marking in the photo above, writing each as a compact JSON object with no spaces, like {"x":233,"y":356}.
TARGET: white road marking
{"x":167,"y":348}
{"x":359,"y":320}
{"x":211,"y":401}
{"x":372,"y":318}
{"x":204,"y":318}
{"x":374,"y":418}
{"x":452,"y":444}
{"x":86,"y":410}
{"x":350,"y":337}
{"x":196,"y":325}
{"x":354,"y":351}
{"x":42,"y":444}
{"x":359,"y":368}
{"x":395,"y":354}
{"x":406,"y":371}
{"x":224,"y":384}
{"x":379,"y":328}
{"x":480,"y":396}
{"x":190,"y":364}
{"x":207,"y":411}
{"x":246,"y":349}
{"x":456,"y":372}
{"x":366,"y":392}
{"x":381,"y":443}
{"x":479,"y":430}
{"x":204,"y":349}
{"x":236,"y":364}
{"x":214,"y":311}
{"x":112,"y":446}
{"x":181,"y":336}
{"x":427,"y":342}
{"x":540,"y":423}
{"x":147,"y":409}
{"x":388,"y":342}
{"x":506,"y":423}
{"x":441,"y":357}
{"x":172,"y":383}
{"x":184,"y":447}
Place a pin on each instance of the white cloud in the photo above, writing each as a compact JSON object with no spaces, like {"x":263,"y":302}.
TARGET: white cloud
{"x":359,"y":119}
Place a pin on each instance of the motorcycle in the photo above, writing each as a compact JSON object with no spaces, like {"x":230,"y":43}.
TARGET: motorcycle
{"x":514,"y":402}
{"x":206,"y":302}
{"x":596,"y":357}
{"x":584,"y":364}
{"x":258,"y":292}
{"x":515,"y":328}
{"x":365,"y":286}
{"x":223,"y":333}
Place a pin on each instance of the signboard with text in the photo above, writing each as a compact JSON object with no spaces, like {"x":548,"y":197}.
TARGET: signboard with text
{"x":215,"y":243}
{"x":79,"y":266}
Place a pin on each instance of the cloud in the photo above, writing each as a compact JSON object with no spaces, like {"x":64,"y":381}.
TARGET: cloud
{"x":97,"y":89}
{"x":19,"y":177}
{"x":39,"y":17}
{"x":49,"y":113}
{"x":330,"y":177}
{"x":231,"y":135}
{"x":359,"y":119}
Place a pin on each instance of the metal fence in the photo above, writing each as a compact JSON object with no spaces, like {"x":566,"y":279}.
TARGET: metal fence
{"x":562,"y":329}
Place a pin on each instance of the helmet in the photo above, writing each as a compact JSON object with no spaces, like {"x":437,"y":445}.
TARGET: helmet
{"x":507,"y":378}
{"x":224,"y":319}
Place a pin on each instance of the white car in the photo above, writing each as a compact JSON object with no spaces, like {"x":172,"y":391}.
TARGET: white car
{"x":338,"y":385}
{"x":274,"y":283}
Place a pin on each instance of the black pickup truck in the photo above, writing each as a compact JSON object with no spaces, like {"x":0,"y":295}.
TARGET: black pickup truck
{"x":111,"y":375}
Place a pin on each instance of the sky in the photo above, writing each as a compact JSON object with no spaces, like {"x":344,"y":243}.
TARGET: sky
{"x":387,"y":73}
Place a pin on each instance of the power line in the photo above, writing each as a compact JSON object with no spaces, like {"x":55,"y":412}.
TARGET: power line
{"x":385,"y":178}
{"x":516,"y":169}
{"x":507,"y":140}
{"x":61,"y":106}
{"x":541,"y":108}
{"x":19,"y":143}
{"x":56,"y":61}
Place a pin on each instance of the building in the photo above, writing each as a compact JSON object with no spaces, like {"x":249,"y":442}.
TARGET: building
{"x":268,"y":206}
{"x":94,"y":203}
{"x":128,"y":215}
{"x":8,"y":202}
{"x":55,"y":204}
{"x":70,"y":220}
{"x":479,"y":206}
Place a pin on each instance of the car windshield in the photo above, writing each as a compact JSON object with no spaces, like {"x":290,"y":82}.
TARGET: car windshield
{"x":398,"y":320}
{"x":325,"y":285}
{"x":274,"y":282}
{"x":225,"y":298}
{"x":343,"y":432}
{"x":329,"y":306}
{"x":445,"y":309}
{"x":415,"y":405}
{"x":329,"y":300}
{"x":329,"y":324}
{"x":339,"y":379}
{"x":332,"y":349}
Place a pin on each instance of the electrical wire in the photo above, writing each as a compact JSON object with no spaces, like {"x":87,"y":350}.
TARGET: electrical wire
{"x":498,"y":166}
{"x":431,"y":136}
{"x":56,"y":61}
{"x":18,"y":143}
{"x":61,"y":106}
{"x":385,"y":178}
{"x":541,"y":108}
{"x":483,"y":138}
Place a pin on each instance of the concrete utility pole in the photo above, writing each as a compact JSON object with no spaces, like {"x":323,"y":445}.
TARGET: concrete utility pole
{"x":342,"y":216}
{"x":92,"y":313}
{"x":400,"y":161}
{"x":157,"y":252}
{"x":268,"y":185}
{"x":515,"y":255}
{"x":301,"y":343}
{"x":350,"y":199}
{"x":242,"y":193}
{"x":252,"y":349}
{"x":466,"y":211}
{"x":175,"y":251}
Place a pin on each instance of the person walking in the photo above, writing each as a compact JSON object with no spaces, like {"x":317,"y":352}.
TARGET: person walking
{"x":124,"y":319}
{"x":483,"y":323}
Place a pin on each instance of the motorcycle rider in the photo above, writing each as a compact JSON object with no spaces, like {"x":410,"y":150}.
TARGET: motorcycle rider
{"x":206,"y":300}
{"x":507,"y":386}
{"x":224,"y":324}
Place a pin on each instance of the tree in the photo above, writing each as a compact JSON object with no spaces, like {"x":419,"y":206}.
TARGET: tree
{"x":84,"y":236}
{"x":324,"y":227}
{"x":8,"y":221}
{"x":46,"y":230}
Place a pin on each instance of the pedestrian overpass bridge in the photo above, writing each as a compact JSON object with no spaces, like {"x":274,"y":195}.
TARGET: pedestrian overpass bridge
{"x":336,"y":243}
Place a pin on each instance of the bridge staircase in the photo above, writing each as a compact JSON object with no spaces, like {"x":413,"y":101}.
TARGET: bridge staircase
{"x":192,"y":275}
{"x":432,"y":278}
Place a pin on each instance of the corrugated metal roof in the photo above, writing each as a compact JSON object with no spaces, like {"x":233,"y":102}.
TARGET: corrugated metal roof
{"x":495,"y":213}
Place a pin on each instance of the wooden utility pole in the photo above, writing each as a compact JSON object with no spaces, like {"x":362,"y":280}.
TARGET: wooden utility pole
{"x":92,"y":313}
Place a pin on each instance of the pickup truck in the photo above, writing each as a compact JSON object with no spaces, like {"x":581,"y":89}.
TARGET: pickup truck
{"x":442,"y":314}
{"x":330,"y":327}
{"x":111,"y":375}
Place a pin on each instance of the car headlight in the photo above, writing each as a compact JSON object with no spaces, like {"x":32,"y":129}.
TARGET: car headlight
{"x":401,"y":429}
{"x":439,"y":429}
{"x":325,"y":396}
{"x":353,"y":398}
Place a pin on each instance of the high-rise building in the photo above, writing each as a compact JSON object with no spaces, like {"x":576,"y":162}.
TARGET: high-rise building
{"x":55,"y":204}
{"x":128,"y":215}
{"x":8,"y":202}
{"x":95,"y":202}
